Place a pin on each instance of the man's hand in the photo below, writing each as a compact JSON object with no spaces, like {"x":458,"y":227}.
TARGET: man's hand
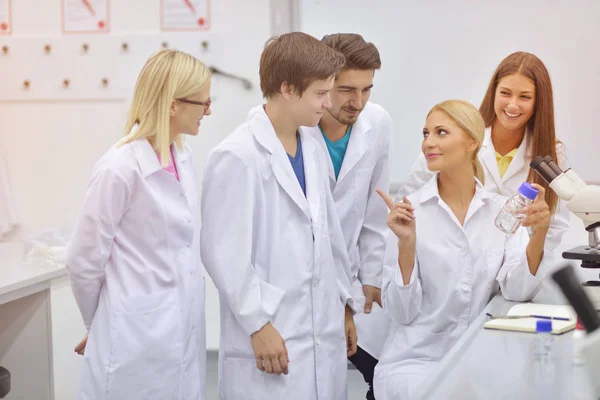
{"x":350,"y":332}
{"x":372,"y":294}
{"x":269,"y":350}
{"x":80,"y":348}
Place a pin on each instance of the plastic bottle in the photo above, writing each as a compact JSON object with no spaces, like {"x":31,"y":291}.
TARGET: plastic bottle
{"x":578,"y":334}
{"x":543,"y":362}
{"x":508,"y":220}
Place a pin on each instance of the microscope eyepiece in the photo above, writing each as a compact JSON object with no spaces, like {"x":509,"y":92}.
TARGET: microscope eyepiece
{"x":553,"y":165}
{"x":543,"y":169}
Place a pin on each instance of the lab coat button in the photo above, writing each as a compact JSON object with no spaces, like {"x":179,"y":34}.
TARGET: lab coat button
{"x":466,"y":287}
{"x":462,"y":322}
{"x":464,"y":249}
{"x":316,"y":283}
{"x":318,"y":341}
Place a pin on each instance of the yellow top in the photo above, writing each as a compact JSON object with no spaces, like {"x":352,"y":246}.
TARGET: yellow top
{"x":504,"y":162}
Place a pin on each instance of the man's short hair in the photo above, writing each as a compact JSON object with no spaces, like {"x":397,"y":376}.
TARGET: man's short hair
{"x":298,"y":59}
{"x":359,"y":54}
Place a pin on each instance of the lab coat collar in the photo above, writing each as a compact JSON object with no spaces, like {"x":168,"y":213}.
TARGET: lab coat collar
{"x":263,"y":131}
{"x":315,"y":132}
{"x":146,"y":157}
{"x":357,"y":145}
{"x":487,"y":155}
{"x":520,"y":159}
{"x":148,"y":160}
{"x":431,"y":190}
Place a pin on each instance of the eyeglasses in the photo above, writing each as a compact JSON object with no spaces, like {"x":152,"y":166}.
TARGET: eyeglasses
{"x":206,"y":104}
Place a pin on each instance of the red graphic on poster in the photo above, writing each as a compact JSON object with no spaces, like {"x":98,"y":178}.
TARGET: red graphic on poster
{"x":185,"y":15}
{"x":5,"y":17}
{"x":190,"y":5}
{"x":87,"y":5}
{"x":85,"y":16}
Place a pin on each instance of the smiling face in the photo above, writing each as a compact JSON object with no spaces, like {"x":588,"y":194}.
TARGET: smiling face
{"x":514,"y":101}
{"x":351,"y":91}
{"x":445,"y":145}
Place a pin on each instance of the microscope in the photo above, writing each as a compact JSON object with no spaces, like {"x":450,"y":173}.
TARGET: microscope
{"x":583,"y":200}
{"x":4,"y":382}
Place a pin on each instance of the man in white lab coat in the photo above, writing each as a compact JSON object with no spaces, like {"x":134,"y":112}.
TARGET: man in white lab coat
{"x":271,"y":242}
{"x":355,"y":137}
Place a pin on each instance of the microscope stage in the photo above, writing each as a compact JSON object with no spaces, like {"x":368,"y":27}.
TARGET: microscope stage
{"x":590,"y":258}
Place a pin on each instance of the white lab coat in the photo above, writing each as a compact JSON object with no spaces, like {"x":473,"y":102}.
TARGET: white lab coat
{"x":8,"y":214}
{"x":363,"y":213}
{"x":134,"y":262}
{"x":457,"y":271}
{"x":515,"y":175}
{"x":275,"y":256}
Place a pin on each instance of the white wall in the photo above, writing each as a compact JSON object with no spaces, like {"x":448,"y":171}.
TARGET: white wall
{"x":434,"y":50}
{"x":51,"y":146}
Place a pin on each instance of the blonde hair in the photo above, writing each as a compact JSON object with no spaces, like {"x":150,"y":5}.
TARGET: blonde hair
{"x":468,"y":118}
{"x":166,"y":76}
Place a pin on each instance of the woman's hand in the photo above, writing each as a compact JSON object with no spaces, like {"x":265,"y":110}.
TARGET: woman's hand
{"x":537,"y":214}
{"x":80,"y":348}
{"x":401,"y":219}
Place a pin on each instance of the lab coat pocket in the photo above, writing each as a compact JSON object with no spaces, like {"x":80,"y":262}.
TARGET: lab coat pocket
{"x":146,"y":347}
{"x":494,"y":259}
{"x":417,"y":343}
{"x":244,"y":381}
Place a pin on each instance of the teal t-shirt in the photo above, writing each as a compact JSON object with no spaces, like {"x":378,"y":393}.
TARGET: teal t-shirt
{"x":337,"y":149}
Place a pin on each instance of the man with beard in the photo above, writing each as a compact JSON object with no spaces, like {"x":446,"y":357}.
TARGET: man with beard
{"x":355,"y":136}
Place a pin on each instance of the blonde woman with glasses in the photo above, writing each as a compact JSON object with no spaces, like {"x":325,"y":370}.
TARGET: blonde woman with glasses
{"x":134,"y":257}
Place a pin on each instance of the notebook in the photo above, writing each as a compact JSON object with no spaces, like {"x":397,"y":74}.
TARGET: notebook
{"x":528,"y":324}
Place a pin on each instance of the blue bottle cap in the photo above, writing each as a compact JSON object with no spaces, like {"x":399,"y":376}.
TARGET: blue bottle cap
{"x":543,"y":325}
{"x":528,"y":191}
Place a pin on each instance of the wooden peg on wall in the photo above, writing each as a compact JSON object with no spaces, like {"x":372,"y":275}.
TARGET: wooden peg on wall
{"x":165,"y":45}
{"x":85,"y":47}
{"x":26,"y":84}
{"x":204,"y":45}
{"x":66,"y":83}
{"x":47,"y":49}
{"x":5,"y":49}
{"x":125,"y":46}
{"x":105,"y":82}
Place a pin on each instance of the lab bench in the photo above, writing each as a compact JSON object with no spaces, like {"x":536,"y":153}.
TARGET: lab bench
{"x":26,"y":323}
{"x":493,"y":364}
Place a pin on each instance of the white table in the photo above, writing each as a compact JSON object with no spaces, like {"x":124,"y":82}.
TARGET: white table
{"x":26,"y":324}
{"x":489,"y":364}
